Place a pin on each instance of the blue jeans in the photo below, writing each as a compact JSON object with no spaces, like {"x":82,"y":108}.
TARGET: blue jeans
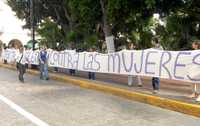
{"x":156,"y":83}
{"x":91,"y":75}
{"x":44,"y":71}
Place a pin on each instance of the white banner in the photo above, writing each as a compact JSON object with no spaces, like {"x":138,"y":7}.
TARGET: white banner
{"x":176,"y":65}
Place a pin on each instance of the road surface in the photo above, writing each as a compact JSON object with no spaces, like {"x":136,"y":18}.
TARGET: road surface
{"x":52,"y":103}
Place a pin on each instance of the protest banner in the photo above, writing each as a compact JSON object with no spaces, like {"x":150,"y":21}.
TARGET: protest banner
{"x":175,"y":65}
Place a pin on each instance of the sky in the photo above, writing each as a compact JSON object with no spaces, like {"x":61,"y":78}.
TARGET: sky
{"x":11,"y":26}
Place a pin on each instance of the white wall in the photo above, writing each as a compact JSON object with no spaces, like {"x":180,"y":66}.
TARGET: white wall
{"x":10,"y":25}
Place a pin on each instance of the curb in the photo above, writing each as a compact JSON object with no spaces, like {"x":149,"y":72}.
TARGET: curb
{"x":178,"y":106}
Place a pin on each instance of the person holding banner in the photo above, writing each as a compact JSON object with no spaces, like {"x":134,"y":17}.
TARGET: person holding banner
{"x":91,"y":75}
{"x":72,"y":72}
{"x":26,"y":50}
{"x":20,"y":63}
{"x":1,"y":53}
{"x":43,"y":61}
{"x":5,"y":49}
{"x":155,"y":80}
{"x":133,"y":79}
{"x":196,"y":87}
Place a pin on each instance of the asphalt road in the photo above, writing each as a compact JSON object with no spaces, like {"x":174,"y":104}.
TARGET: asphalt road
{"x":52,"y":103}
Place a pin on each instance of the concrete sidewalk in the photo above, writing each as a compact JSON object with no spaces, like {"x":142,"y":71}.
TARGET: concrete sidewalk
{"x":177,"y":90}
{"x":167,"y":98}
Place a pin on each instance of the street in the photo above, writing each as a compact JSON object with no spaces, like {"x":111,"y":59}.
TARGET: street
{"x":51,"y":103}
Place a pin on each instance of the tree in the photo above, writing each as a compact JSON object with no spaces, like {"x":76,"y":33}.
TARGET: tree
{"x":182,"y":26}
{"x":125,"y":20}
{"x":51,"y":33}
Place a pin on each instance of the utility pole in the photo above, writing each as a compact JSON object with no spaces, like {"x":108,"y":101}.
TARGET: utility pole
{"x":32,"y":21}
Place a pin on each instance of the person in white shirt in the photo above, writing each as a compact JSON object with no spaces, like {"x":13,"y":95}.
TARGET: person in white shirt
{"x":20,"y":63}
{"x":156,"y":80}
{"x":196,"y":87}
{"x":134,"y":79}
{"x":1,"y":54}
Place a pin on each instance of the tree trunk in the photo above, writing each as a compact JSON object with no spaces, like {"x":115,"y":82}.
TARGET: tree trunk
{"x":63,"y":26}
{"x":185,"y":36}
{"x":106,"y":28}
{"x":67,"y":15}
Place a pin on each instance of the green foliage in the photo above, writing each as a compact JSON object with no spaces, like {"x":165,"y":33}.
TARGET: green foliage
{"x":150,"y":3}
{"x":86,"y":14}
{"x":71,"y":37}
{"x":81,"y":21}
{"x":181,"y":28}
{"x":51,"y":33}
{"x":91,"y":40}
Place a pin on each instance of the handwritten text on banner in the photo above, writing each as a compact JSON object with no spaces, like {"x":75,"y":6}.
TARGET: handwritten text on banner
{"x":177,"y":65}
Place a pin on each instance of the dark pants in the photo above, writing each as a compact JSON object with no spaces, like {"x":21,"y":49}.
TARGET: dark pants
{"x":72,"y":71}
{"x":156,"y":83}
{"x":56,"y":69}
{"x":91,"y":75}
{"x":5,"y":61}
{"x":22,"y":70}
{"x":33,"y":66}
{"x":26,"y":66}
